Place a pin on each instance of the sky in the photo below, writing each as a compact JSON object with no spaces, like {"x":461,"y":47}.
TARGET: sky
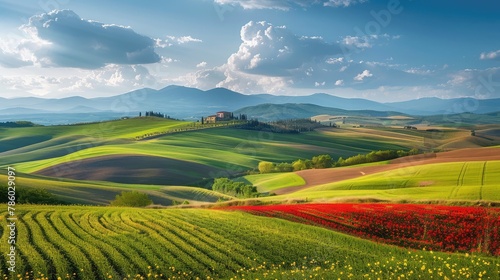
{"x":388,"y":50}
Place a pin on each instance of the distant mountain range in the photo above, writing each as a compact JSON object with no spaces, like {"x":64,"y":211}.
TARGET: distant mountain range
{"x":269,"y":112}
{"x":190,"y":103}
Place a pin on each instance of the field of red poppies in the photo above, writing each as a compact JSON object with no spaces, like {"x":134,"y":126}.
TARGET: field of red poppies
{"x":434,"y":227}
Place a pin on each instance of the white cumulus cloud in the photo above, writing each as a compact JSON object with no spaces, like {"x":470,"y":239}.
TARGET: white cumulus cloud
{"x":335,"y":60}
{"x":202,"y":64}
{"x":490,"y":55}
{"x":62,"y":39}
{"x":342,"y":3}
{"x":275,"y":51}
{"x":361,"y":76}
{"x":286,"y":4}
{"x":173,"y":40}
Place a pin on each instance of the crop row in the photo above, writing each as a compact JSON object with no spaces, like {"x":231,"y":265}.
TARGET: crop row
{"x":446,"y":228}
{"x":118,"y":243}
{"x":115,"y":245}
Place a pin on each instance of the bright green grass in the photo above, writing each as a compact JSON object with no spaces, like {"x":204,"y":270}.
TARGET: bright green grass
{"x":101,"y":193}
{"x":441,"y":181}
{"x":230,"y":149}
{"x":112,"y":243}
{"x":452,"y":174}
{"x":273,"y":181}
{"x":36,"y":143}
{"x":214,"y":158}
{"x":128,"y":128}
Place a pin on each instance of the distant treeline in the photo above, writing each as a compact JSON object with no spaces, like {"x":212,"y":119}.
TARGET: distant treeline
{"x":17,"y":124}
{"x":326,"y":161}
{"x":30,"y":196}
{"x":155,"y":114}
{"x":293,"y":126}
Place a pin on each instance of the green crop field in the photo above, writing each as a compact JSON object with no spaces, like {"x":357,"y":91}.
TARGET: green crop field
{"x":101,"y":193}
{"x":118,"y":243}
{"x":272,"y":182}
{"x":473,"y":181}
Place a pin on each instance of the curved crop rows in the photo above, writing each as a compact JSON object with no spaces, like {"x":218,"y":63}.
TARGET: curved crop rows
{"x":73,"y":242}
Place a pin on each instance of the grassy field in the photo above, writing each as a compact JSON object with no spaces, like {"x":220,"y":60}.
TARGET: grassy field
{"x":115,"y":243}
{"x":101,"y":193}
{"x":35,"y":143}
{"x":272,"y":182}
{"x":221,"y":151}
{"x":453,"y":181}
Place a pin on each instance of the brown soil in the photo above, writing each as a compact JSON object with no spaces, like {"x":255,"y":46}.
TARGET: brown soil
{"x":314,"y":177}
{"x":132,"y":169}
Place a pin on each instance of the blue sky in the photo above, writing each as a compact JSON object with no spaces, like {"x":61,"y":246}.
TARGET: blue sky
{"x":386,"y":51}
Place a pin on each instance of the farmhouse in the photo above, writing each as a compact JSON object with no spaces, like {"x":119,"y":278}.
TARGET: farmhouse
{"x":223,"y":115}
{"x":211,"y":119}
{"x":219,"y":116}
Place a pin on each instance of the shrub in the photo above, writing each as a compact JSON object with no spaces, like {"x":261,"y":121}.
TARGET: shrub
{"x":238,"y":189}
{"x":132,"y":199}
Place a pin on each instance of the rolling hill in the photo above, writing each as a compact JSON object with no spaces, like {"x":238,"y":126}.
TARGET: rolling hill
{"x":459,"y":175}
{"x":105,"y":158}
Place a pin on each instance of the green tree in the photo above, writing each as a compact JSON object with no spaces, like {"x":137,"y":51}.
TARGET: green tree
{"x":284,"y":167}
{"x":359,"y":159}
{"x":340,"y":162}
{"x":322,"y":161}
{"x":132,"y":199}
{"x":402,"y":153}
{"x":414,"y":151}
{"x":266,"y":167}
{"x":238,"y":189}
{"x":299,"y":164}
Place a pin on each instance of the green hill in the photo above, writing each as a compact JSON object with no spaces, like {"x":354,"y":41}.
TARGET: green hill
{"x":101,"y":193}
{"x":188,"y":154}
{"x":191,"y":156}
{"x":451,"y":181}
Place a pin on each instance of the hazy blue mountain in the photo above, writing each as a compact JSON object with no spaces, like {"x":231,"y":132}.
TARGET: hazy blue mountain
{"x":328,"y":100}
{"x":190,"y":103}
{"x":81,"y":109}
{"x":433,"y":105}
{"x":270,"y":112}
{"x":21,"y":110}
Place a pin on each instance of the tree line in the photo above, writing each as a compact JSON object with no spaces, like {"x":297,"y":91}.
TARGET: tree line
{"x":30,"y":196}
{"x":326,"y":161}
{"x":155,"y":114}
{"x":17,"y":124}
{"x":236,"y":189}
{"x":292,"y":126}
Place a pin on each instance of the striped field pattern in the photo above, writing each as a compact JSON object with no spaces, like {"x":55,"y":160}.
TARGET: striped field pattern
{"x":76,"y":242}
